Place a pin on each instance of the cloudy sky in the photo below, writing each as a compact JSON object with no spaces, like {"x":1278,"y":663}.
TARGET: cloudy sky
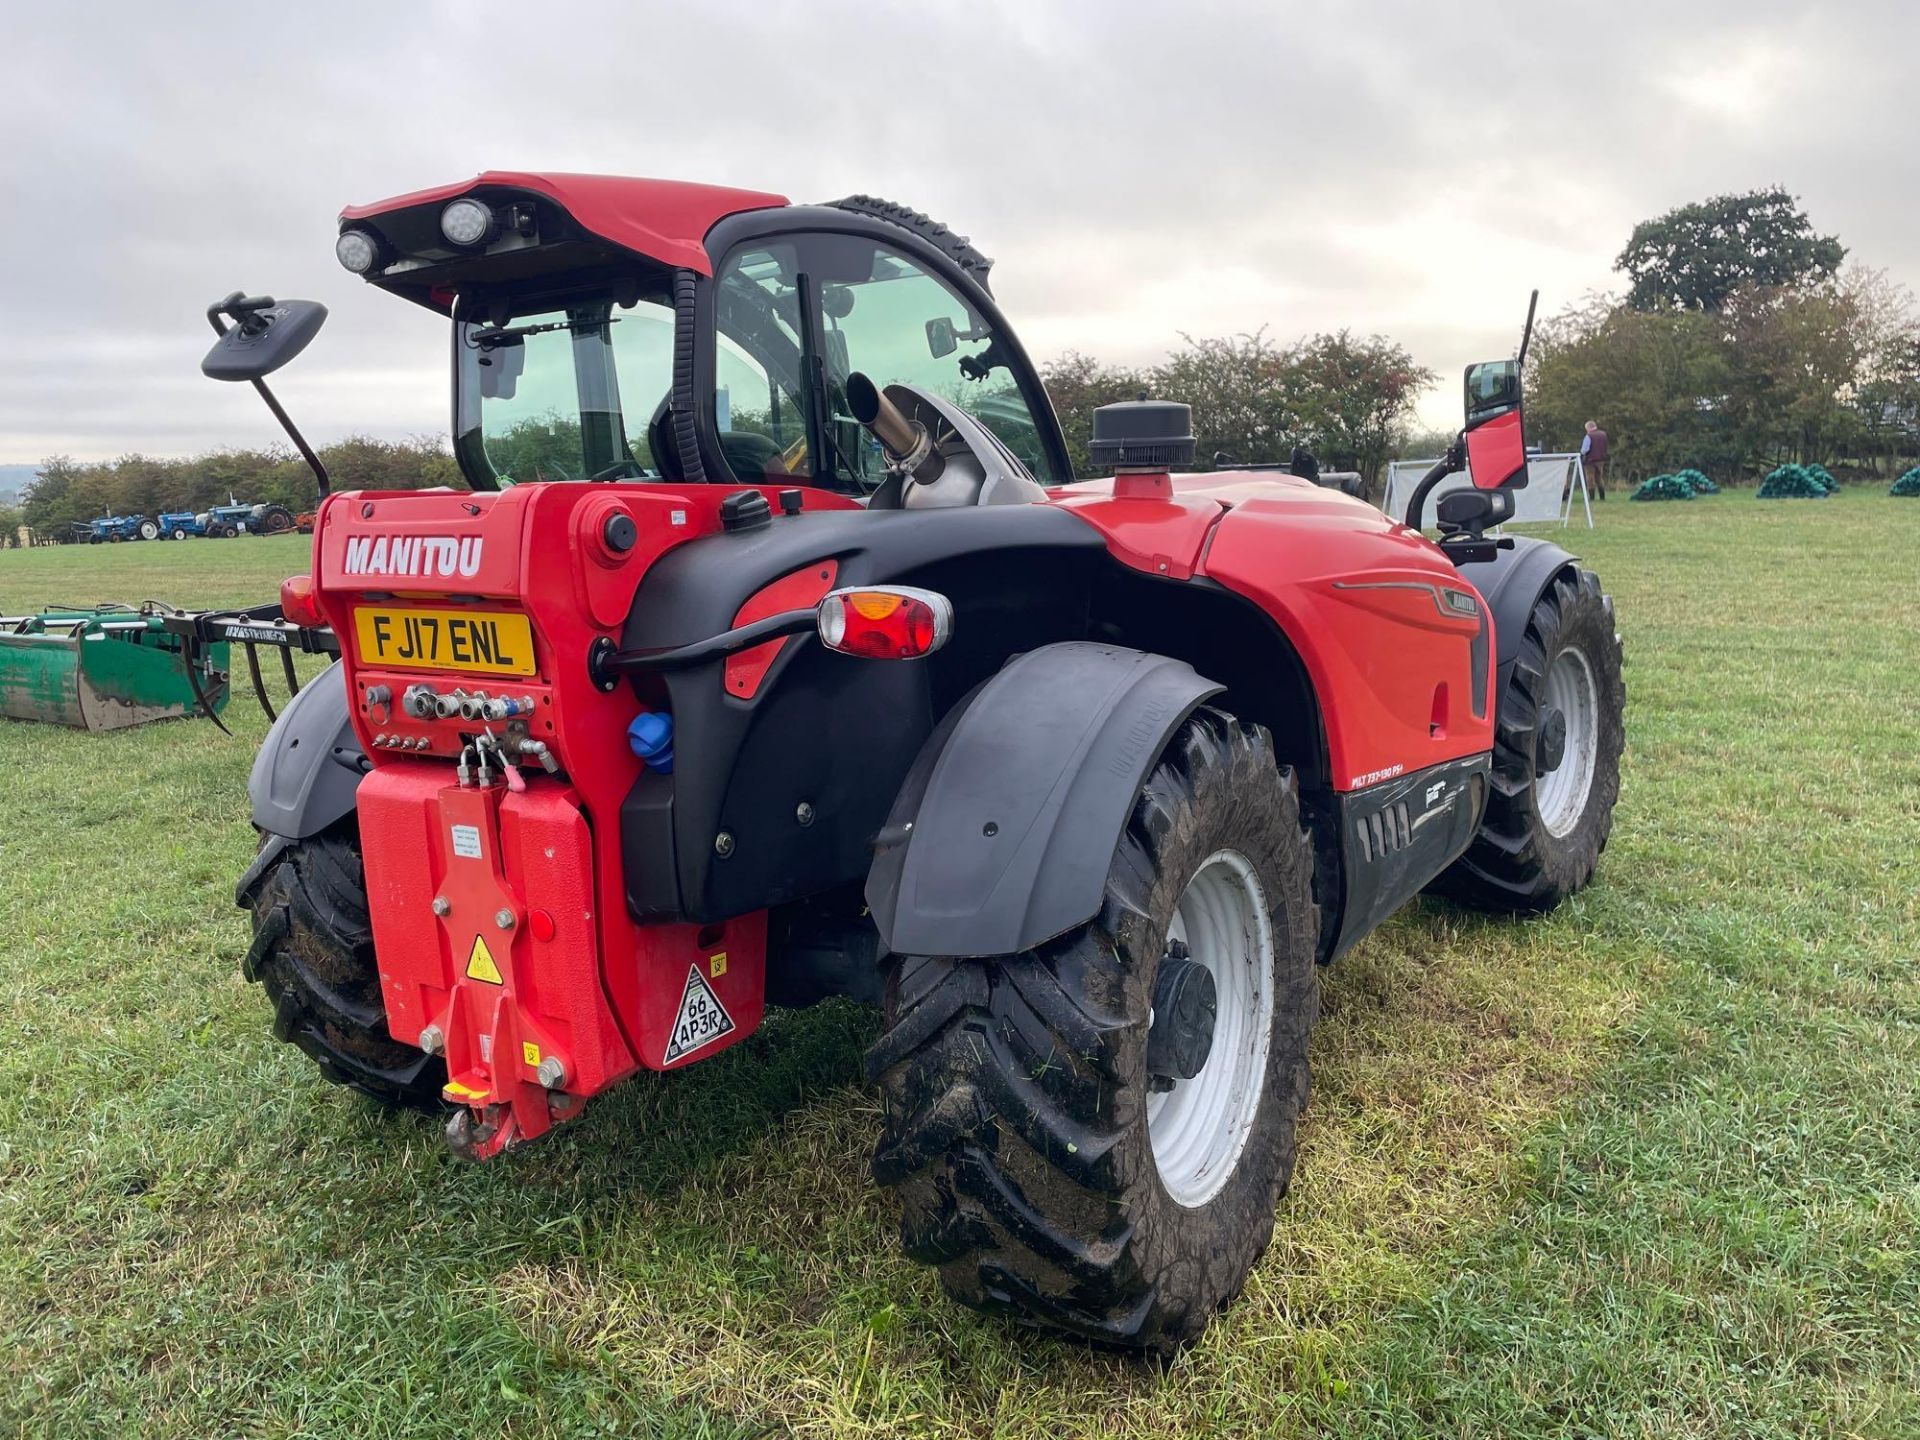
{"x":1136,"y":170}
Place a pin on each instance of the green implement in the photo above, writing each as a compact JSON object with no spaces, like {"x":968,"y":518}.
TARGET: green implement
{"x":105,"y":668}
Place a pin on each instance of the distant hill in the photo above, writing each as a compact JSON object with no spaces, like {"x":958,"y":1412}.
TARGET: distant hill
{"x":14,"y":480}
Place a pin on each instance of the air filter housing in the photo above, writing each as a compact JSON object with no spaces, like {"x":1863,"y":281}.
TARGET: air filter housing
{"x":1142,"y":435}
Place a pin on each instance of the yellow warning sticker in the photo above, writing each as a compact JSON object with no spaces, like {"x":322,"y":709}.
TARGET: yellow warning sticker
{"x":717,"y":964}
{"x":480,"y":964}
{"x":530,"y":1052}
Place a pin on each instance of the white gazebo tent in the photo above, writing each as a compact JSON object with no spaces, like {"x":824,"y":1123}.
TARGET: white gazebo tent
{"x":1536,"y":503}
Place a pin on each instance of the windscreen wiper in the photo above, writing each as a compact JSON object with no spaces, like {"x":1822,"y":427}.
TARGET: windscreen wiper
{"x":492,"y":337}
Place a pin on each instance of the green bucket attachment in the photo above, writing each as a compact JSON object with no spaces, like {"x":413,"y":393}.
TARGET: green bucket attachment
{"x":105,"y":668}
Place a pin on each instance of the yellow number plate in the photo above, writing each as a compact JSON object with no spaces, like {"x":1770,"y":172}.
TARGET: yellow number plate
{"x":488,"y":641}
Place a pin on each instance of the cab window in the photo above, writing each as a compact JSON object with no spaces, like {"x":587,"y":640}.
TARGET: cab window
{"x":828,"y":305}
{"x":563,"y":390}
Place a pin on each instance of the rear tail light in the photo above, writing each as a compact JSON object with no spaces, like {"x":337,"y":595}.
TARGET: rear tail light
{"x":891,"y":622}
{"x":297,"y":603}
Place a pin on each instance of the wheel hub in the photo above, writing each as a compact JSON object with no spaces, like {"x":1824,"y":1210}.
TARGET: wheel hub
{"x":1185,"y":1003}
{"x":1198,"y":1123}
{"x":1552,"y":746}
{"x":1569,"y":724}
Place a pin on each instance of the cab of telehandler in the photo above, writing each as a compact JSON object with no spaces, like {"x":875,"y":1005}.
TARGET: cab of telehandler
{"x":579,"y":359}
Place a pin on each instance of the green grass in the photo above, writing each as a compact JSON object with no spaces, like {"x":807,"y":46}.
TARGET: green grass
{"x":1650,"y":1167}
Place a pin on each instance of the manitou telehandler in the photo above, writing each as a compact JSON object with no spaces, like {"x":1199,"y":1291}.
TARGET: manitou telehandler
{"x":775,"y":654}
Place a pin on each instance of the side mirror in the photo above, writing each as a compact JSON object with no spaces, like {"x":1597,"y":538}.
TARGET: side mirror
{"x":941,"y":341}
{"x":1492,"y":386}
{"x":265,"y":335}
{"x":1496,"y":433}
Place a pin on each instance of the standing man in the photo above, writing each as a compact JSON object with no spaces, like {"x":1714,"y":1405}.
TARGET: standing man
{"x":1593,"y":459}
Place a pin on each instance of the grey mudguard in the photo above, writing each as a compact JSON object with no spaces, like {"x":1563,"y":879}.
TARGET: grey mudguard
{"x":305,"y":775}
{"x":1512,"y":583}
{"x":1004,"y":829}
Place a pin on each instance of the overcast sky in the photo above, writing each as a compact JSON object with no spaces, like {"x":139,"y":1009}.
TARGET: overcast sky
{"x":1136,"y":170}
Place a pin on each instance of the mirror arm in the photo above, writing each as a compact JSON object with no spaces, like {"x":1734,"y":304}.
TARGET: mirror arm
{"x":239,"y":305}
{"x":1451,"y":463}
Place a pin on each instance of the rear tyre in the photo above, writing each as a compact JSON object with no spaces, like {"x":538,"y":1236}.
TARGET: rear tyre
{"x":274,"y":520}
{"x":313,"y":954}
{"x":1556,"y":758}
{"x":1039,"y":1166}
{"x":149,"y":530}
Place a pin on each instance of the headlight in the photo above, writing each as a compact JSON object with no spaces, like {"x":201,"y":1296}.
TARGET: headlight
{"x":466,"y":222}
{"x":355,"y":250}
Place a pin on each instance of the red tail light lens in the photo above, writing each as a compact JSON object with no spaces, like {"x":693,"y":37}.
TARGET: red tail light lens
{"x":891,"y":622}
{"x":297,"y":602}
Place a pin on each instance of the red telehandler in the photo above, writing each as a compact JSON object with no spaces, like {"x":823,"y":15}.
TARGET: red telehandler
{"x":775,"y":654}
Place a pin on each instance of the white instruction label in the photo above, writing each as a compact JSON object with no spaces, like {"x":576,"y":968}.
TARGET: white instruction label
{"x":466,"y":841}
{"x":702,"y":1018}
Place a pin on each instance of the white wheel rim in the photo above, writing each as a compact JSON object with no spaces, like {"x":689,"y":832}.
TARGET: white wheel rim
{"x":1561,"y":795}
{"x":1200,"y":1126}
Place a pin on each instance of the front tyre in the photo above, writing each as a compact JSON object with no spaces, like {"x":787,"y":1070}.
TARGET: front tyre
{"x":313,"y":954}
{"x":1092,"y":1136}
{"x":1558,"y":736}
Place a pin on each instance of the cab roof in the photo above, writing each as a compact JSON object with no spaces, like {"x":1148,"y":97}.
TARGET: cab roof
{"x":663,"y":220}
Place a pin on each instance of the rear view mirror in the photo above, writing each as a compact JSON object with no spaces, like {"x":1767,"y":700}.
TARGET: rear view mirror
{"x":1492,"y":387}
{"x":265,"y":335}
{"x":941,"y":341}
{"x":501,"y":364}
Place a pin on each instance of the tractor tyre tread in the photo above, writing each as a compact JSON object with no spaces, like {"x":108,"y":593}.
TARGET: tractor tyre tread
{"x":1014,"y":1088}
{"x":957,"y":248}
{"x":312,"y":953}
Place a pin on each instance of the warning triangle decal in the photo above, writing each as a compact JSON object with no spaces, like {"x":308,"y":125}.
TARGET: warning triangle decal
{"x":480,"y":964}
{"x":702,"y":1018}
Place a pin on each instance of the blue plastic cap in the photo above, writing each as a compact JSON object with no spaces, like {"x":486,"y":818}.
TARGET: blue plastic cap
{"x":651,"y":736}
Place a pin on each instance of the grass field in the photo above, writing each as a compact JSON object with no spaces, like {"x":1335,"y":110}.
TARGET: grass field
{"x":1650,"y":1167}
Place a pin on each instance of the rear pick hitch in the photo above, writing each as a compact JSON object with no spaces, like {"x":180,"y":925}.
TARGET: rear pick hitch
{"x":480,"y":1132}
{"x":251,"y":628}
{"x":481,"y":1136}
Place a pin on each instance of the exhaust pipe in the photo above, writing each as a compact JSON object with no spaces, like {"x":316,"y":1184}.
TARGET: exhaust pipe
{"x":907,"y":442}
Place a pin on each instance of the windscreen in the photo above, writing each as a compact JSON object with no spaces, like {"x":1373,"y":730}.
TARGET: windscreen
{"x":563,"y":389}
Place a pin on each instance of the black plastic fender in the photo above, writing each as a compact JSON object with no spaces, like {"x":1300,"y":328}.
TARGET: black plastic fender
{"x":1512,"y":583}
{"x":1004,"y":828}
{"x":305,"y":775}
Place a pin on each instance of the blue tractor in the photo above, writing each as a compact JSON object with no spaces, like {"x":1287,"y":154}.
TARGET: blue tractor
{"x":115,"y":528}
{"x":179,"y":524}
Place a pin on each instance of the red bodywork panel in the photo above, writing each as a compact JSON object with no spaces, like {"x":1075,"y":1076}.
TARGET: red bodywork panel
{"x":665,"y":220}
{"x":1362,"y":599}
{"x":572,"y":977}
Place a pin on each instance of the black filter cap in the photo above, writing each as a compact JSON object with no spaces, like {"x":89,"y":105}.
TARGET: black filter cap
{"x":745,"y":510}
{"x":620,"y":532}
{"x":1142,"y":432}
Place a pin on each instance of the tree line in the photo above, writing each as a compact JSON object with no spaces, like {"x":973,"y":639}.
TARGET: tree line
{"x":1742,"y":342}
{"x":65,"y":491}
{"x":1347,"y":399}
